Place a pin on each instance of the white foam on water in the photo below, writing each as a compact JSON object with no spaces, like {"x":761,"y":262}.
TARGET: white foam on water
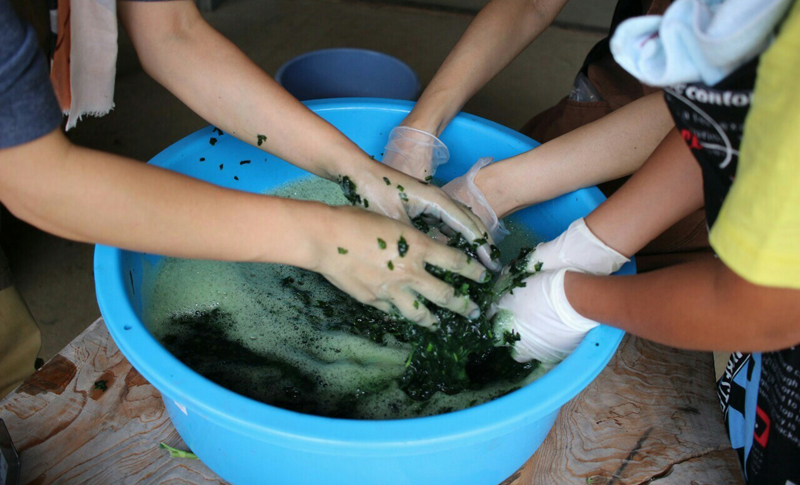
{"x":269,"y":320}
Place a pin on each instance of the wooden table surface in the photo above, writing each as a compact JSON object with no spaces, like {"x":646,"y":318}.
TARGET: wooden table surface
{"x":650,"y":417}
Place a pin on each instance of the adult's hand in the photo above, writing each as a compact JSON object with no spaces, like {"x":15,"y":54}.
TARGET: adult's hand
{"x":394,"y":194}
{"x":415,"y":152}
{"x":381,"y":262}
{"x":464,"y":190}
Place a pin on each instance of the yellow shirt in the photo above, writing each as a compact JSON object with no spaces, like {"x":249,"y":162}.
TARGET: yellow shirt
{"x":757,"y":233}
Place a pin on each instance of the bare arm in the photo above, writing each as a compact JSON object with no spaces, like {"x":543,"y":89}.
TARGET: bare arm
{"x":703,"y":305}
{"x":498,"y":34}
{"x":92,"y":196}
{"x":214,"y":78}
{"x":180,"y":50}
{"x":611,"y":147}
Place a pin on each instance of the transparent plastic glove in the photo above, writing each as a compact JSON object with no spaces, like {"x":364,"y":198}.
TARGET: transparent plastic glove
{"x":381,"y":262}
{"x":414,"y":152}
{"x":577,"y":248}
{"x":464,"y":190}
{"x":549,"y":328}
{"x":401,"y":197}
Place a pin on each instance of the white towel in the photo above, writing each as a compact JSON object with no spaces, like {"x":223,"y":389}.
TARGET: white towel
{"x":696,"y":40}
{"x":93,"y":58}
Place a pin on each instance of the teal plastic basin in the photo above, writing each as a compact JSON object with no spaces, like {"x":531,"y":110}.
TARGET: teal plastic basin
{"x":248,"y":442}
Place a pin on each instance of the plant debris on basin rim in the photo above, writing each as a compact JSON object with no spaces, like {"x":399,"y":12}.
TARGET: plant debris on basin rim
{"x":249,"y":442}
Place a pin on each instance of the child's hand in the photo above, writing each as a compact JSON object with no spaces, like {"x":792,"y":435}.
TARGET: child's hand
{"x":401,"y":197}
{"x":464,"y":190}
{"x":576,"y":248}
{"x":414,"y":152}
{"x":549,"y":329}
{"x":381,"y":262}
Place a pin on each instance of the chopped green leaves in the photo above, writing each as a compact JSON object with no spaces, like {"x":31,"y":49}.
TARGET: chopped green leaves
{"x":403,"y":196}
{"x":366,"y":203}
{"x":390,"y":265}
{"x":381,"y":243}
{"x":388,"y":182}
{"x":416,"y":304}
{"x":176,"y":453}
{"x":261,"y":139}
{"x":401,"y":188}
{"x":101,"y":385}
{"x":342,"y":250}
{"x":429,"y":178}
{"x":349,"y":189}
{"x":402,"y":247}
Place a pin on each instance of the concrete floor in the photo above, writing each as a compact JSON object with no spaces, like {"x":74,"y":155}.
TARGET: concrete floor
{"x":55,"y":275}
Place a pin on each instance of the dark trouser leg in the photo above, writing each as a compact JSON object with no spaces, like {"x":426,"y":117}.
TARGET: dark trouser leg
{"x":20,"y":339}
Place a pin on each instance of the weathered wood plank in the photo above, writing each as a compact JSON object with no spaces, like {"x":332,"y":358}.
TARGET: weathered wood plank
{"x":650,"y":416}
{"x":68,"y":431}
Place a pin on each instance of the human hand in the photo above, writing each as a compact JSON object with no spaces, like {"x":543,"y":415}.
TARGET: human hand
{"x":399,"y":196}
{"x":464,"y":190}
{"x":538,"y":321}
{"x":414,"y":152}
{"x":576,"y":248}
{"x":381,"y":262}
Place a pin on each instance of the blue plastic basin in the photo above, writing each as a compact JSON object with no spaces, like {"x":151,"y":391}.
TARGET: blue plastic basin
{"x":348,"y":73}
{"x":248,"y":442}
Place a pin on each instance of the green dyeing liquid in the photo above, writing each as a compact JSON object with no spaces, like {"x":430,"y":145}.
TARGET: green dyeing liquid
{"x":285,"y":336}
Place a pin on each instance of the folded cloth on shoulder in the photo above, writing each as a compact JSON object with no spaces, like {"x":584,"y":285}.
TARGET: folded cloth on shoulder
{"x":696,"y":40}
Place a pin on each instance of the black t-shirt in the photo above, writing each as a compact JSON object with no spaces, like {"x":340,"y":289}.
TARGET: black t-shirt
{"x":759,"y":393}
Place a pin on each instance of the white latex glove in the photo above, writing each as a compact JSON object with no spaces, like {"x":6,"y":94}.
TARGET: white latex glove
{"x":464,"y":190}
{"x":576,"y":248}
{"x":415,"y":152}
{"x":548,"y":327}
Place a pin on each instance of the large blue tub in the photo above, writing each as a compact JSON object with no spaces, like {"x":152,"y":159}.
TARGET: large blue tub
{"x":248,"y":442}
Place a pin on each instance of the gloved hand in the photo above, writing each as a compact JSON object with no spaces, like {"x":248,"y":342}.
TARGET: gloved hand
{"x":415,"y":152}
{"x":464,"y":190}
{"x":549,"y":329}
{"x":576,"y":248}
{"x":401,"y":197}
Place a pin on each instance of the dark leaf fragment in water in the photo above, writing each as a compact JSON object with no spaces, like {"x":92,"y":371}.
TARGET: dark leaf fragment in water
{"x":213,"y":141}
{"x":402,"y":246}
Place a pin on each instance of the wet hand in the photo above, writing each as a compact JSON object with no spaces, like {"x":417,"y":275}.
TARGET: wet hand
{"x":414,"y":152}
{"x":403,"y":198}
{"x":464,"y":190}
{"x":381,"y":262}
{"x":577,"y":248}
{"x":538,"y":321}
